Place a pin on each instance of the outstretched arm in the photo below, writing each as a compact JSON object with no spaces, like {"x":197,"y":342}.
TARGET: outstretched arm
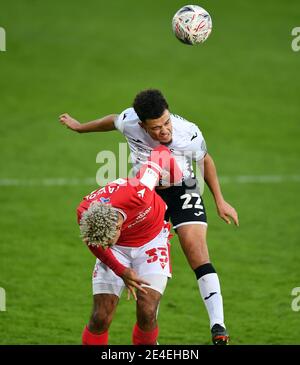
{"x":225,"y":210}
{"x":104,"y":124}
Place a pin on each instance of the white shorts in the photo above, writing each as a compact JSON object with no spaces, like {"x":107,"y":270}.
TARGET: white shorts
{"x":150,"y":261}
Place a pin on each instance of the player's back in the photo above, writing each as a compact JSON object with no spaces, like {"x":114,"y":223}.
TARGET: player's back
{"x":142,"y":209}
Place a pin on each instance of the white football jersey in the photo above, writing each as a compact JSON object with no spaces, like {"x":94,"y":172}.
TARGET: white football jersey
{"x":187,"y":142}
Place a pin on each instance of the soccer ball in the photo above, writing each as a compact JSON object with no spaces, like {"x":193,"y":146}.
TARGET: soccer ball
{"x":192,"y":24}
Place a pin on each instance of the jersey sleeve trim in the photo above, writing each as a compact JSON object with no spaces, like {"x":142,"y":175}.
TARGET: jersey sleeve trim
{"x":150,"y":178}
{"x":155,"y":165}
{"x":119,"y":123}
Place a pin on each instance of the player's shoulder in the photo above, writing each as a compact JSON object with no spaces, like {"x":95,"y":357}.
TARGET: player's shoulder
{"x":120,"y":191}
{"x":183,"y":124}
{"x":185,"y":130}
{"x":127,"y":117}
{"x":129,"y":114}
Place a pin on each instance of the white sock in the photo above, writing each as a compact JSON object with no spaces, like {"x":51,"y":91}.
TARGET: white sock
{"x":210,"y":291}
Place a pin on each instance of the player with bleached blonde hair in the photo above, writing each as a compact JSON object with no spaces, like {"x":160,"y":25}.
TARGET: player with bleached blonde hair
{"x":123,"y":226}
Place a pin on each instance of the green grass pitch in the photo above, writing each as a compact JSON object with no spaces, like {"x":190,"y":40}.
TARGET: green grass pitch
{"x":242,"y":87}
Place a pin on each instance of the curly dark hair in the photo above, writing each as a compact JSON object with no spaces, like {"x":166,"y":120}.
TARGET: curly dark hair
{"x":150,"y":104}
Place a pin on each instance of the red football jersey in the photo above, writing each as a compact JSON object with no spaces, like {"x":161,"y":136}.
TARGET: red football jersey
{"x":143,"y":210}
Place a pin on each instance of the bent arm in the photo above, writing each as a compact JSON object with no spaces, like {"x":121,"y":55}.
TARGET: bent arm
{"x":128,"y":275}
{"x":104,"y":124}
{"x":225,"y":210}
{"x":108,"y":258}
{"x":211,"y":178}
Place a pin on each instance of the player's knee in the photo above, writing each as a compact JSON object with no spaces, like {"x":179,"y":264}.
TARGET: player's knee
{"x":103,"y":311}
{"x":100,"y":321}
{"x":147,"y":319}
{"x":147,"y":313}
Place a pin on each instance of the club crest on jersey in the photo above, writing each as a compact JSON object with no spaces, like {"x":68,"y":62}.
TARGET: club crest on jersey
{"x":104,"y":200}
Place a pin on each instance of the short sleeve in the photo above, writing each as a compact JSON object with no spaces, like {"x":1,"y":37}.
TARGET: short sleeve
{"x":198,"y":145}
{"x":120,"y":120}
{"x":119,"y":123}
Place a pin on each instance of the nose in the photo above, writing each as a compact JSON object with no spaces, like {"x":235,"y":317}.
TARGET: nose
{"x":164,"y":130}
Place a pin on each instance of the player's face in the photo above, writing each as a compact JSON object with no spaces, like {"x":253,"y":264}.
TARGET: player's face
{"x":119,"y":227}
{"x":159,"y":129}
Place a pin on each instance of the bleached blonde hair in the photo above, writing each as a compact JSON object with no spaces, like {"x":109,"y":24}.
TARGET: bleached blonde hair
{"x":98,"y":224}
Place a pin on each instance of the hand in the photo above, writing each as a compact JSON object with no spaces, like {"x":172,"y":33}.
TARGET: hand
{"x":226,"y":211}
{"x":132,"y":281}
{"x":70,"y":122}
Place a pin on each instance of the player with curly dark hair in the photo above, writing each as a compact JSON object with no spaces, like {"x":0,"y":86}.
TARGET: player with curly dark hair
{"x":150,"y":123}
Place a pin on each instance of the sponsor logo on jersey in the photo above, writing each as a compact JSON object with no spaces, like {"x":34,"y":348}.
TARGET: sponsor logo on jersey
{"x":142,"y":216}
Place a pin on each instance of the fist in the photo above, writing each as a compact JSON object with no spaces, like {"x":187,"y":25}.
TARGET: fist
{"x":69,"y":122}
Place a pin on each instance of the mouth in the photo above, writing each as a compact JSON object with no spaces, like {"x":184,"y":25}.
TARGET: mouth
{"x":166,"y":138}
